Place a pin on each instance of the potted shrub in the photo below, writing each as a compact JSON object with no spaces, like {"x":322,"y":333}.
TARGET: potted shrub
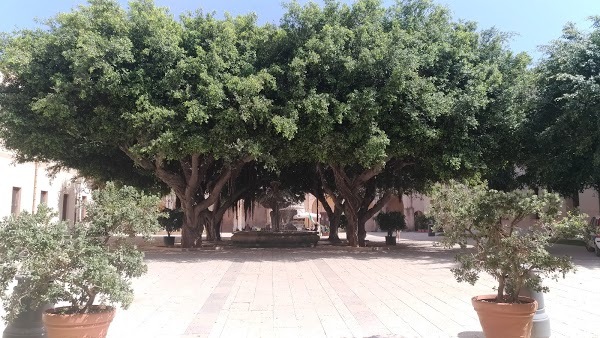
{"x":421,"y":222}
{"x":171,"y":221}
{"x":503,"y":246}
{"x":424,"y":223}
{"x":390,"y":222}
{"x":88,"y":266}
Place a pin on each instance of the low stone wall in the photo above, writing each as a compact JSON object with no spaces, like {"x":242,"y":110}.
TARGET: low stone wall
{"x":275,"y":238}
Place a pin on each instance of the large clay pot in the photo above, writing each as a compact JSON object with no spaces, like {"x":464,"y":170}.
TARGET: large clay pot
{"x":505,"y":320}
{"x":88,"y":325}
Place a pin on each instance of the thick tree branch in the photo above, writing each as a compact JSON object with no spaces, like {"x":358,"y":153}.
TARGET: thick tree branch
{"x":367,"y":175}
{"x":142,"y":162}
{"x":193,"y":182}
{"x":387,"y":196}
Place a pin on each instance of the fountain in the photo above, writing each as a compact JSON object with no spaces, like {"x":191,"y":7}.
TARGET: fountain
{"x":289,"y":236}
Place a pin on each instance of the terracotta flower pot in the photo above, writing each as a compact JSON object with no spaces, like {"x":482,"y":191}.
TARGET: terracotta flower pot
{"x":505,"y":320}
{"x":88,"y":325}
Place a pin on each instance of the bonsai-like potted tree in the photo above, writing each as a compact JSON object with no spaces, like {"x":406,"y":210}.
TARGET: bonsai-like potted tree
{"x":87,"y":265}
{"x":390,"y":222}
{"x":510,"y":233}
{"x":171,"y":221}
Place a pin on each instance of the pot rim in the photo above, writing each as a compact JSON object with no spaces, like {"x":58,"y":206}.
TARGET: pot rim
{"x":107,"y":309}
{"x":487,"y":297}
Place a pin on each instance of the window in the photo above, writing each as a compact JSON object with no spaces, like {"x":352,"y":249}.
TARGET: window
{"x":15,"y":207}
{"x":44,"y":197}
{"x":65,"y":204}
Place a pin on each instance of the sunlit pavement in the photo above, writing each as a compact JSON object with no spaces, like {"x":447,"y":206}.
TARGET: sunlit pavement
{"x":331,"y":291}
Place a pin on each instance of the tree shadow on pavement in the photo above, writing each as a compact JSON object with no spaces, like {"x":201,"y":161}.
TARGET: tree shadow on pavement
{"x":424,"y":253}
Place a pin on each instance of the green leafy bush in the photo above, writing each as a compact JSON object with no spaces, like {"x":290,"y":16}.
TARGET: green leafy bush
{"x":422,"y":222}
{"x":76,"y":264}
{"x":390,"y":221}
{"x":172,"y":221}
{"x":503,"y":247}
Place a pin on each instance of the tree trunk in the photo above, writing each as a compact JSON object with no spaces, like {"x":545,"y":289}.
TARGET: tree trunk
{"x":352,"y":227}
{"x":362,"y":234}
{"x":217,"y":225}
{"x":191,"y":233}
{"x":211,"y":236}
{"x":350,"y":191}
{"x":365,"y":213}
{"x":350,"y":206}
{"x":334,"y":225}
{"x":188,"y":182}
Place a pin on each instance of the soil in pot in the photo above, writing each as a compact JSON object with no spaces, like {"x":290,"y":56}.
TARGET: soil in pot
{"x":60,"y":323}
{"x":505,"y":320}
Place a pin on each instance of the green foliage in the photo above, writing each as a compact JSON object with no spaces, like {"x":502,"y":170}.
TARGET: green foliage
{"x":118,"y":94}
{"x":173,"y":221}
{"x":562,"y":133}
{"x":423,"y":222}
{"x":390,"y":221}
{"x":503,"y":246}
{"x":369,"y":85}
{"x":75,"y":264}
{"x":123,"y":212}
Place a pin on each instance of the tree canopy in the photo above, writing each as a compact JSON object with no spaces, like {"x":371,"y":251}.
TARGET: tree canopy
{"x":138,"y":91}
{"x":562,"y":131}
{"x":376,"y":100}
{"x":402,"y":89}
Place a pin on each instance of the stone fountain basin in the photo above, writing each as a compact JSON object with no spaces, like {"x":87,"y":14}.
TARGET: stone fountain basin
{"x":275,"y":238}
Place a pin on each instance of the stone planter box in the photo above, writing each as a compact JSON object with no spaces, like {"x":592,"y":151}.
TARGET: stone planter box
{"x":275,"y":239}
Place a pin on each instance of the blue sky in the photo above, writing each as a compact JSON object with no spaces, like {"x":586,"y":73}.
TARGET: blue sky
{"x":536,"y":22}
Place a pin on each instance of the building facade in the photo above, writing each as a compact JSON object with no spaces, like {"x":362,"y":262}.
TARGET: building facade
{"x":23,"y":187}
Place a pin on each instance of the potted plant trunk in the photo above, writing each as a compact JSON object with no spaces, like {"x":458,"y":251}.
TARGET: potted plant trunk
{"x":508,"y":243}
{"x":89,"y":265}
{"x":172,"y":221}
{"x":390,"y":222}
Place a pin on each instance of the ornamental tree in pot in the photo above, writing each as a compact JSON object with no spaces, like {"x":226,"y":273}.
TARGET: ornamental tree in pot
{"x":390,"y":222}
{"x":503,"y":246}
{"x":171,"y":221}
{"x":88,"y":265}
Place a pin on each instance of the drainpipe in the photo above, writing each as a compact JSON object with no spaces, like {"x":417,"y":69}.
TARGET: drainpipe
{"x":35,"y":175}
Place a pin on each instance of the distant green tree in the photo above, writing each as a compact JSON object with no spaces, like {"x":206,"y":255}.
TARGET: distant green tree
{"x":138,"y":95}
{"x":563,"y":129}
{"x":369,"y":91}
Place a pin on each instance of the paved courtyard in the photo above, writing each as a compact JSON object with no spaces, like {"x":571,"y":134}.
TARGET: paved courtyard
{"x":407,"y":291}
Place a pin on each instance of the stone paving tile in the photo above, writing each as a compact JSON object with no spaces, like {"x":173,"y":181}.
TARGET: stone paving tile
{"x":407,"y":291}
{"x":207,"y":316}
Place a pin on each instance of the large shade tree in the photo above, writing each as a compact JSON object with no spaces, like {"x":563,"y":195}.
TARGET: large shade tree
{"x":403,"y":90}
{"x":137,"y":92}
{"x":563,"y":129}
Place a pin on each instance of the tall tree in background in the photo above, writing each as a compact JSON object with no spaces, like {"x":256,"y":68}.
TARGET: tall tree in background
{"x":182,"y":100}
{"x":563,"y":129}
{"x":402,"y":90}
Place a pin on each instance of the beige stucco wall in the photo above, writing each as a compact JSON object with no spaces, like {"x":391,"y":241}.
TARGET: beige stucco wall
{"x":24,"y":176}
